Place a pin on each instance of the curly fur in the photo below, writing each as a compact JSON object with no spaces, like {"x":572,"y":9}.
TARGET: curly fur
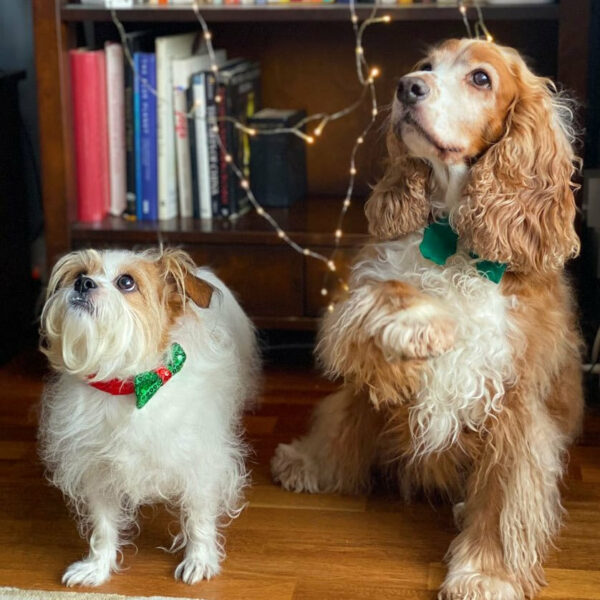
{"x":518,"y":206}
{"x":454,"y":384}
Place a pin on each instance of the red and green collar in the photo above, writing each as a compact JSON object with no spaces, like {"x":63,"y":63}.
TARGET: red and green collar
{"x":145,"y":385}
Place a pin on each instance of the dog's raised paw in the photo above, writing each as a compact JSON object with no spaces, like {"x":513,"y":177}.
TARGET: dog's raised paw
{"x":86,"y":572}
{"x":474,"y":585}
{"x":293,"y":470}
{"x":421,"y":331}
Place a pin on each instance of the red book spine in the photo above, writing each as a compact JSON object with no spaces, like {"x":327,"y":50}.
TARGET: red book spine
{"x":90,"y":133}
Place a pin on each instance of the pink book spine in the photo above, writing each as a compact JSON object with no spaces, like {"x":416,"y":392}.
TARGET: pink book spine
{"x":90,"y":133}
{"x":115,"y":97}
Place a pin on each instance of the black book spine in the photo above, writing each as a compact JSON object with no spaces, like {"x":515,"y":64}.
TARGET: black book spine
{"x":129,"y":143}
{"x":193,"y":155}
{"x":212,"y":137}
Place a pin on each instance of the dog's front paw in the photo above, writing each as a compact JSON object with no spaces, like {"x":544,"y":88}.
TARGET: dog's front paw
{"x":474,"y":585}
{"x":293,"y":470}
{"x":421,"y":331}
{"x":91,"y":572}
{"x":198,"y":566}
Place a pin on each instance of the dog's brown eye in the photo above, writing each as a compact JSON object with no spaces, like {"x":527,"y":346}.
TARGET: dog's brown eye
{"x":481,"y":79}
{"x":126,"y":283}
{"x":426,"y":67}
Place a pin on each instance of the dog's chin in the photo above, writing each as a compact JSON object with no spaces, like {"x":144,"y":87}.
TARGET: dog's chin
{"x":422,"y":141}
{"x":80,"y":305}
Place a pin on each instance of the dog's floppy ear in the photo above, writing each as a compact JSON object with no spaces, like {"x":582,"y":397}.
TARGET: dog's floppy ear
{"x":179,"y":269}
{"x":399,"y":202}
{"x":518,"y":207}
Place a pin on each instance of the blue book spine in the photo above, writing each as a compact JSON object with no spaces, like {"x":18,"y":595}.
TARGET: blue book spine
{"x":145,"y":136}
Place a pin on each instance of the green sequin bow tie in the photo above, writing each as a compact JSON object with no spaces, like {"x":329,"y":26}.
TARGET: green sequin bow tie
{"x":145,"y":385}
{"x":440,"y":242}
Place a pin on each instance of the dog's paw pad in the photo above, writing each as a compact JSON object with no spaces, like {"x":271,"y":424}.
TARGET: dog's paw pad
{"x":193,"y":569}
{"x":293,"y":470}
{"x":86,"y":572}
{"x":473,"y":585}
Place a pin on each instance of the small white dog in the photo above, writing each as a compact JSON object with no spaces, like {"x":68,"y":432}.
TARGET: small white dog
{"x":155,"y":360}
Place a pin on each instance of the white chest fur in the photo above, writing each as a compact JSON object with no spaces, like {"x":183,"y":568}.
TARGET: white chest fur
{"x":463,"y":386}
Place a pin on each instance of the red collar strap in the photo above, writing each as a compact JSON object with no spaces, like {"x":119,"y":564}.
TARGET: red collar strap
{"x":116,"y":387}
{"x":145,"y":385}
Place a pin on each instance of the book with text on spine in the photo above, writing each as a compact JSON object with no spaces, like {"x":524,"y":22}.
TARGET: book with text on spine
{"x":115,"y":93}
{"x":145,"y":136}
{"x":90,"y":133}
{"x":183,"y":70}
{"x":167,"y":48}
{"x":136,"y":41}
{"x":239,"y":88}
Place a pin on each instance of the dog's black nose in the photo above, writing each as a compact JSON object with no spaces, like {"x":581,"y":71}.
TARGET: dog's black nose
{"x":84,"y":284}
{"x":412,"y":90}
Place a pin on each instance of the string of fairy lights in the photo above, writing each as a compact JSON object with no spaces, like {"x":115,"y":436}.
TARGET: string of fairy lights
{"x":366,"y":76}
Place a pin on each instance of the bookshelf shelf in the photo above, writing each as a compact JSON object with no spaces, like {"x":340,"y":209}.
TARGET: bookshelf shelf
{"x":307,"y":62}
{"x":310,"y":222}
{"x":293,"y":12}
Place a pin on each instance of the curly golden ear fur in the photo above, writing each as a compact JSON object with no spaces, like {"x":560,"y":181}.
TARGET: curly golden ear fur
{"x":518,"y":206}
{"x":399,"y":203}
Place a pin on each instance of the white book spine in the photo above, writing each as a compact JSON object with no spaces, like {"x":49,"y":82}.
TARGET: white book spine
{"x":202,"y":158}
{"x":115,"y":91}
{"x":166,"y":49}
{"x":184,"y":162}
{"x":119,"y":3}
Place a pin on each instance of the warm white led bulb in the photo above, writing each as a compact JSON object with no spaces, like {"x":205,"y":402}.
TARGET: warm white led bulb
{"x":323,"y":292}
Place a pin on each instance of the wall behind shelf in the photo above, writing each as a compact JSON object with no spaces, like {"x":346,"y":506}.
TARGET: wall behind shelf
{"x":311,"y":65}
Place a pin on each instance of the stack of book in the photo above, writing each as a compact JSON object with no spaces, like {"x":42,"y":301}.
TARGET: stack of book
{"x":149,"y":139}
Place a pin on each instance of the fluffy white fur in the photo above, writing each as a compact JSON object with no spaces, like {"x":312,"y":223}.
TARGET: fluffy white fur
{"x":464,"y":385}
{"x":182,"y":448}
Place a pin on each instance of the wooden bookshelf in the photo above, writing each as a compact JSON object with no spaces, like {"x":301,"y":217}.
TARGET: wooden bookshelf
{"x":306,"y":12}
{"x":307,"y":61}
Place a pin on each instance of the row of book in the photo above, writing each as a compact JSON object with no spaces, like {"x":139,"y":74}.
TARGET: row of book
{"x":149,"y":139}
{"x":132,"y":3}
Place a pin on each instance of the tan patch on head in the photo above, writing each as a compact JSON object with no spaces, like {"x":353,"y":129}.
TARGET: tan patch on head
{"x":505,"y":88}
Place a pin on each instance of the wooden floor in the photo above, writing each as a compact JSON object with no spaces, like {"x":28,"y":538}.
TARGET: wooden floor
{"x":284,"y":545}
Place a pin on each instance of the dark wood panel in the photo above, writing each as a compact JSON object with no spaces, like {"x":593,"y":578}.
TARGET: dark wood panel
{"x":51,"y":42}
{"x":77,"y":12}
{"x":267,"y":281}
